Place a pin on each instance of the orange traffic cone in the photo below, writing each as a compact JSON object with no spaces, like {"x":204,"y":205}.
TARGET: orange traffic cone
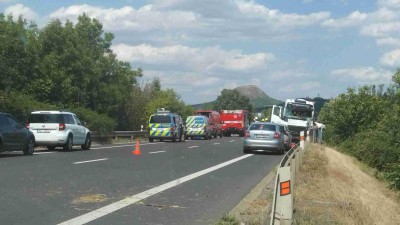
{"x":137,"y":149}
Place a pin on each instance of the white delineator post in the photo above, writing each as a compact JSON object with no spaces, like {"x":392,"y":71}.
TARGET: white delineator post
{"x":308,"y":135}
{"x":284,"y":204}
{"x":302,"y":140}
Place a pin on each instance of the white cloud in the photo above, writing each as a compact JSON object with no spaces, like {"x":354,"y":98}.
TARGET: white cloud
{"x":384,"y":29}
{"x":389,"y":3}
{"x":20,"y":9}
{"x":177,"y":20}
{"x":129,"y":18}
{"x":389,"y":41}
{"x":391,"y":58}
{"x":362,"y":75}
{"x":354,"y":19}
{"x":279,"y":19}
{"x":209,"y":59}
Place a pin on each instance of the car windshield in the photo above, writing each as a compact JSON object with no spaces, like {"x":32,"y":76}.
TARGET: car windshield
{"x":199,"y":120}
{"x":45,"y":118}
{"x":160,"y":119}
{"x":269,"y":127}
{"x":299,"y":111}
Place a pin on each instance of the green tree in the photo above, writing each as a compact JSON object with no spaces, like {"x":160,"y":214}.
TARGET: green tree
{"x":232,"y":99}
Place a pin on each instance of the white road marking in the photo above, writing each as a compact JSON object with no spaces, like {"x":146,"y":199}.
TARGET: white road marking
{"x":232,"y":140}
{"x":94,"y":160}
{"x":39,"y":153}
{"x":131,"y":145}
{"x":88,"y":217}
{"x":156,"y":152}
{"x":194,"y":146}
{"x":216,"y":143}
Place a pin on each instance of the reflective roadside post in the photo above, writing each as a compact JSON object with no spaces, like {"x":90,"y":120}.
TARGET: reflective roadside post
{"x":302,"y":140}
{"x":141,"y":127}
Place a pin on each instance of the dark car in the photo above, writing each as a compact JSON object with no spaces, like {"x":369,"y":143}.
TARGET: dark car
{"x":14,"y":136}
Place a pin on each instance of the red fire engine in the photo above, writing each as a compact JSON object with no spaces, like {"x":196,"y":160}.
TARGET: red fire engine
{"x":234,"y":122}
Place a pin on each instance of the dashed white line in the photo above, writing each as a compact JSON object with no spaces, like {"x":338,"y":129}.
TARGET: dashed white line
{"x":195,"y":146}
{"x":156,"y":152}
{"x":232,"y":140}
{"x":216,"y":143}
{"x":88,"y":217}
{"x":131,"y":145}
{"x":94,"y":160}
{"x":39,"y":153}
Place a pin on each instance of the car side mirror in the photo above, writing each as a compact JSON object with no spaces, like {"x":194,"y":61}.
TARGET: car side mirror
{"x":84,"y":123}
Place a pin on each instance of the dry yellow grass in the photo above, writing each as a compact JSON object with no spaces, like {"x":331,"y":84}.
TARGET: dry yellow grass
{"x":332,"y":189}
{"x":90,"y":199}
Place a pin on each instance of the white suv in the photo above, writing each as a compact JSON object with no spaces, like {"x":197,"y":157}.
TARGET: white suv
{"x":58,"y":128}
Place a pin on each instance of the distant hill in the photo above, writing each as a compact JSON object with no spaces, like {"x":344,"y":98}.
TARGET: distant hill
{"x":255,"y":94}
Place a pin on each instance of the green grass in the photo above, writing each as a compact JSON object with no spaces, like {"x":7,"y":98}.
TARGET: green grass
{"x":228,"y":220}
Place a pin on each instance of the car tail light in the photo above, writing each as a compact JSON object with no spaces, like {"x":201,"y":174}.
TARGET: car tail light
{"x":172,"y":130}
{"x":276,"y":135}
{"x":247,"y":134}
{"x":61,"y":126}
{"x":27,"y":125}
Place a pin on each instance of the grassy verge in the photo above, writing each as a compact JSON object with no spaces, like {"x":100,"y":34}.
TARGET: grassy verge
{"x":332,"y":189}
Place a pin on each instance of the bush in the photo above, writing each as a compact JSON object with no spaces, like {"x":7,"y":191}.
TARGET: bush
{"x":21,"y":105}
{"x":393,"y":175}
{"x":99,"y":123}
{"x":376,"y":149}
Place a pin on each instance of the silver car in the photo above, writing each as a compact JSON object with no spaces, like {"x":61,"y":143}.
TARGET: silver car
{"x":263,"y":136}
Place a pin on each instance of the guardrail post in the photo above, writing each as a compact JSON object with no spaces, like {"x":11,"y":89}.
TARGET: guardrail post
{"x":293,"y":168}
{"x":297,"y":159}
{"x":302,"y":139}
{"x":284,"y":203}
{"x":301,"y":152}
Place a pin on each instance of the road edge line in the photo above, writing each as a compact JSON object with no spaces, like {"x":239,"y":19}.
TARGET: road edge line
{"x":105,"y":210}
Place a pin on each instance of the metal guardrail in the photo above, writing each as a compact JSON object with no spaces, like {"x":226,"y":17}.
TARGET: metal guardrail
{"x":282,"y":205}
{"x":116,"y":134}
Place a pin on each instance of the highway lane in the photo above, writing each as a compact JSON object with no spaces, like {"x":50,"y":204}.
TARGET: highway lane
{"x":51,"y":188}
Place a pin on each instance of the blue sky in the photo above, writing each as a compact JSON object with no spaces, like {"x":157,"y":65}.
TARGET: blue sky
{"x":288,"y":48}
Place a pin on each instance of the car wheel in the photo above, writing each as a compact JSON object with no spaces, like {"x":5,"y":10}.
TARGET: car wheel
{"x":68,"y":144}
{"x":151,"y":139}
{"x":51,"y":148}
{"x":215,"y":135}
{"x":88,"y":143}
{"x":282,"y":151}
{"x":220,"y":135}
{"x":174,"y":138}
{"x":30,"y":148}
{"x":1,"y":146}
{"x":246,"y":150}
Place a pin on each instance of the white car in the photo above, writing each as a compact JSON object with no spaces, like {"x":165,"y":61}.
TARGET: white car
{"x":58,"y":129}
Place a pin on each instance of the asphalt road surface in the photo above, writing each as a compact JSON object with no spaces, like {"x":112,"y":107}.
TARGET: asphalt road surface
{"x":194,"y":182}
